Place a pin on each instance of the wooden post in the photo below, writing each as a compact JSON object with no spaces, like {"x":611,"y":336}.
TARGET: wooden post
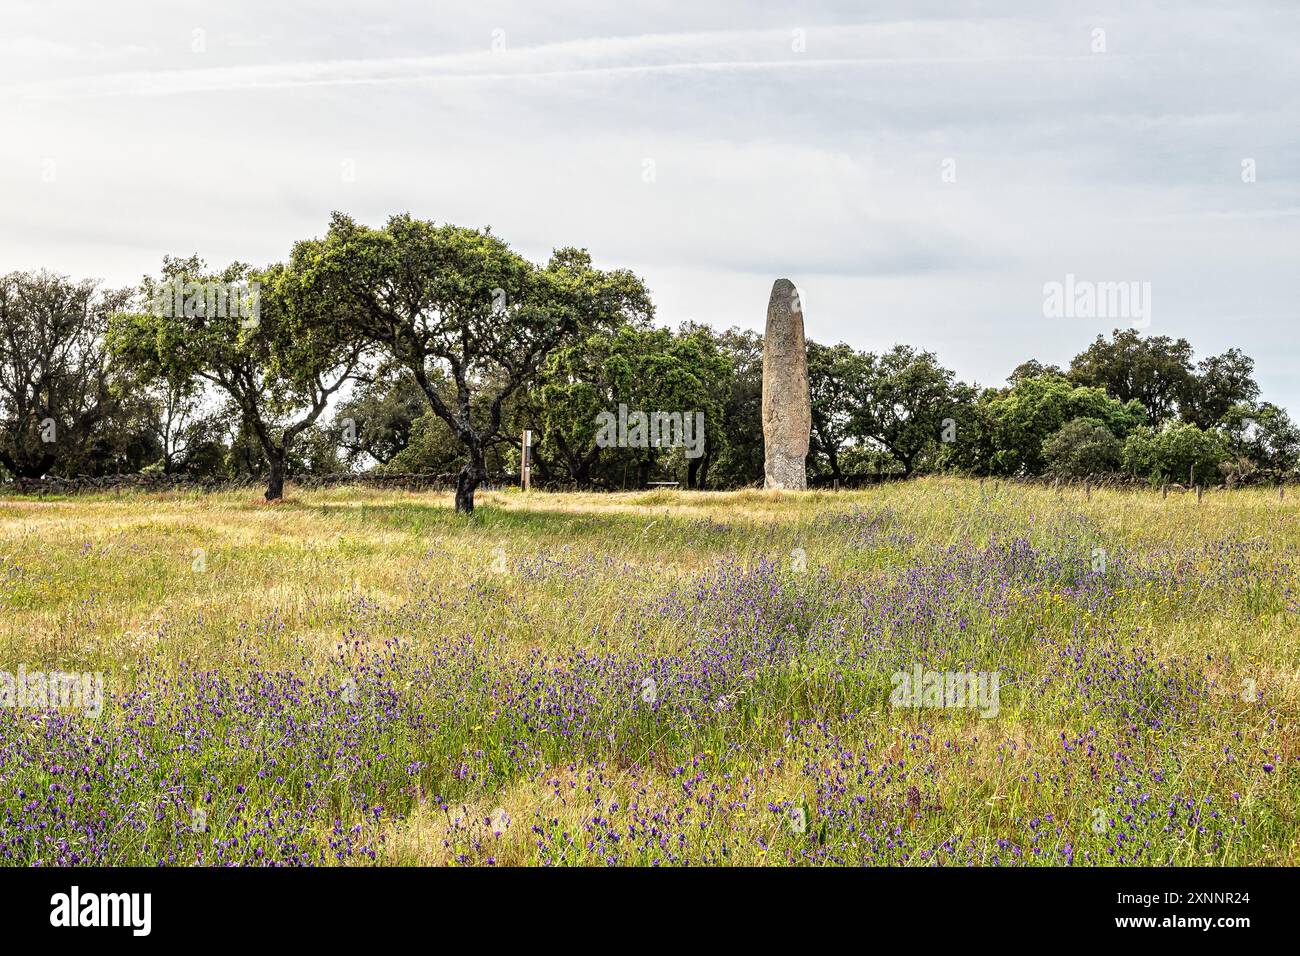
{"x":1198,"y":494}
{"x":1164,"y":489}
{"x":526,"y":460}
{"x":1281,"y":492}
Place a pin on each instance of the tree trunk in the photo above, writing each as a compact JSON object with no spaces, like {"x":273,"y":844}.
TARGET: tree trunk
{"x":275,"y":476}
{"x":472,"y":474}
{"x":582,"y":475}
{"x":33,"y":468}
{"x":697,"y":472}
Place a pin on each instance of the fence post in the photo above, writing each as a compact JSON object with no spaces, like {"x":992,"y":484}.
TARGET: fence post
{"x":526,"y":459}
{"x":1198,"y":494}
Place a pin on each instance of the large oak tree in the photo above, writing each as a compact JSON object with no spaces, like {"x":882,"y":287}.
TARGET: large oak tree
{"x":55,"y":378}
{"x":279,"y":367}
{"x":900,"y":401}
{"x":460,"y":301}
{"x":646,"y":369}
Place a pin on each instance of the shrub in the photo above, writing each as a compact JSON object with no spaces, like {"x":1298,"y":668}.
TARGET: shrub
{"x":1080,"y":448}
{"x":1022,"y":418}
{"x":1177,"y":452}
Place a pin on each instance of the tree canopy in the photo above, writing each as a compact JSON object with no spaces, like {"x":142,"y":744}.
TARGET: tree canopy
{"x":444,"y":298}
{"x":430,"y":347}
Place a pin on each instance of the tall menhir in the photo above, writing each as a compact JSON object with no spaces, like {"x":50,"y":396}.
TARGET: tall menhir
{"x":787,"y":407}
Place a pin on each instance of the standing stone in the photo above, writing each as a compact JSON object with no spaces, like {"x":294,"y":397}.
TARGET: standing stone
{"x":787,"y":407}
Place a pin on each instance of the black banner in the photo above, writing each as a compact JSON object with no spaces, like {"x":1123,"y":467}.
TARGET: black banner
{"x":338,"y":906}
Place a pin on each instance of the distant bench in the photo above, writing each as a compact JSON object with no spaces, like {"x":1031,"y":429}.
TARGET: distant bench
{"x":662,"y":484}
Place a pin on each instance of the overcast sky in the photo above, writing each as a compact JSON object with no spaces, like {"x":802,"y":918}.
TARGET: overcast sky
{"x":919,"y":170}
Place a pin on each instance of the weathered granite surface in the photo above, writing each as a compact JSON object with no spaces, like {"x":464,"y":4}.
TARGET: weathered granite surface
{"x":787,"y":407}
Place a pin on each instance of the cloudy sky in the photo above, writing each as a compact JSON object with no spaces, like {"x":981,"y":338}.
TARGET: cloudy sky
{"x":920,"y":170}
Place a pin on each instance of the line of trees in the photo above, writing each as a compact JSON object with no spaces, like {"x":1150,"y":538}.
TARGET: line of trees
{"x":429,"y":348}
{"x":1127,"y":403}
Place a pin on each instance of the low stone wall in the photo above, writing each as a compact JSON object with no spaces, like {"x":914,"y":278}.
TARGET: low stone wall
{"x":849,"y":482}
{"x":161,"y":483}
{"x":447,"y":482}
{"x":1266,"y":478}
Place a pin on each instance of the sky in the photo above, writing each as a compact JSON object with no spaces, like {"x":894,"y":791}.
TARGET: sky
{"x":922,"y":171}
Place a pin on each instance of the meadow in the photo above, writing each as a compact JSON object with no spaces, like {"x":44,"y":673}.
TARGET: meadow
{"x":654,"y":678}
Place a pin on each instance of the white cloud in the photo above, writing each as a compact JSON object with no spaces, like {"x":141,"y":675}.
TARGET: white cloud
{"x":823,"y":165}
